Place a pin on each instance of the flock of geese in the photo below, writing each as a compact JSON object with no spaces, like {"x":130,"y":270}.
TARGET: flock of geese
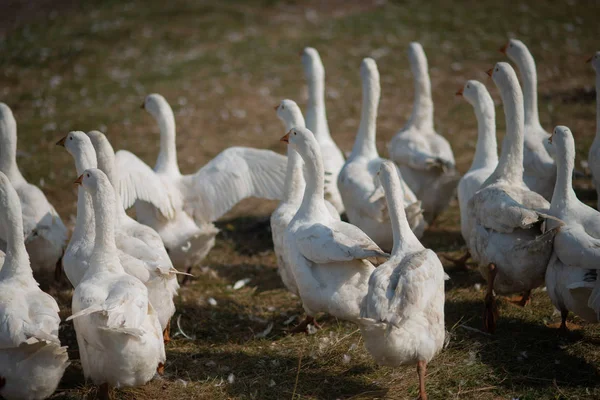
{"x":520,"y":218}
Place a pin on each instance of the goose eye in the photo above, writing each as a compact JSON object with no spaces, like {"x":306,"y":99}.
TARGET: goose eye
{"x":294,"y":133}
{"x":283,"y":107}
{"x":70,"y":137}
{"x":468,"y":86}
{"x":88,"y":175}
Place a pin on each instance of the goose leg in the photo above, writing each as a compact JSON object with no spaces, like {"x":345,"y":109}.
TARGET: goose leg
{"x":563,"y":323}
{"x":103,"y":392}
{"x":160,"y":369}
{"x":58,"y":270}
{"x":459,"y":262}
{"x":167,"y":333}
{"x":303,"y":326}
{"x":490,"y":313}
{"x":422,"y":370}
{"x":523,"y":300}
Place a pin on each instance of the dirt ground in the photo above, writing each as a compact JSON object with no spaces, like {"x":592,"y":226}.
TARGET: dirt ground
{"x":67,"y":66}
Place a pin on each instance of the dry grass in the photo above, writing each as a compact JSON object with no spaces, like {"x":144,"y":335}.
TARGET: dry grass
{"x":223,"y":67}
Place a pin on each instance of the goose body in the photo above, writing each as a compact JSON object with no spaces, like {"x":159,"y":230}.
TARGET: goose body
{"x":32,"y":361}
{"x":572,"y":279}
{"x":328,"y":257}
{"x":289,"y":112}
{"x":402,"y":316}
{"x":507,"y":238}
{"x":119,"y":335}
{"x":539,"y":166}
{"x":139,"y":248}
{"x":182,"y":208}
{"x":594,"y":152}
{"x":45,"y":234}
{"x":424,"y":157}
{"x":363,"y":196}
{"x":486,"y":153}
{"x":316,"y":122}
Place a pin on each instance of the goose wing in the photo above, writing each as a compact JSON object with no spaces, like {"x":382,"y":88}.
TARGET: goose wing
{"x":137,"y":181}
{"x":233,"y":175}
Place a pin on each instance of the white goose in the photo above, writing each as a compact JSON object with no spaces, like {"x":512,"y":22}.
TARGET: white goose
{"x":539,"y":167}
{"x":140,"y":249}
{"x":289,"y":112}
{"x":45,"y":233}
{"x":363,"y":196}
{"x":486,"y":152}
{"x":402,"y":316}
{"x":507,"y":239}
{"x":119,"y":336}
{"x":181,"y":208}
{"x":327,"y":256}
{"x":594,"y":152}
{"x":572,"y":278}
{"x":32,"y":362}
{"x":424,"y":157}
{"x":316,"y":122}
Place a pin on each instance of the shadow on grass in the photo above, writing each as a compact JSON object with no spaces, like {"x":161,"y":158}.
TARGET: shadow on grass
{"x":249,"y":235}
{"x":523,"y":353}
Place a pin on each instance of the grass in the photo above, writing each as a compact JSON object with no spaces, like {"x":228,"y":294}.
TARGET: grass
{"x":223,"y":67}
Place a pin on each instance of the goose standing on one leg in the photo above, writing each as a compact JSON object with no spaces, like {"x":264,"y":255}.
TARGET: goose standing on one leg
{"x":289,"y":112}
{"x":182,"y":208}
{"x":572,"y":278}
{"x":45,"y":233}
{"x":486,"y":153}
{"x":539,"y":167}
{"x":119,"y":336}
{"x":328,"y":257}
{"x":362,"y":194}
{"x":507,"y":238}
{"x":316,"y":122}
{"x":424,"y":157}
{"x":32,"y":362}
{"x":594,"y":153}
{"x":402,"y":316}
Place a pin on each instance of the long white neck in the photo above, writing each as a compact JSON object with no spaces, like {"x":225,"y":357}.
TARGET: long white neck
{"x":510,"y":165}
{"x":313,"y":201}
{"x":107,"y":164}
{"x":316,"y":115}
{"x":105,"y":248}
{"x":486,"y":152}
{"x":564,"y":194}
{"x":526,"y":65}
{"x":404,"y":238}
{"x":16,"y":261}
{"x":365,"y":145}
{"x":422,"y":113}
{"x":8,"y":146}
{"x":294,"y":186}
{"x":167,"y":157}
{"x":84,"y":223}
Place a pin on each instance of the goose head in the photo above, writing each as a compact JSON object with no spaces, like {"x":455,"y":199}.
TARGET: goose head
{"x":417,"y":59}
{"x":503,"y":75}
{"x":562,"y":138}
{"x":473,"y":91}
{"x":93,"y":180}
{"x":514,"y":49}
{"x":155,"y":104}
{"x":79,"y":146}
{"x":289,"y":112}
{"x":595,"y":61}
{"x":311,"y":61}
{"x":303,"y":141}
{"x":8,"y":125}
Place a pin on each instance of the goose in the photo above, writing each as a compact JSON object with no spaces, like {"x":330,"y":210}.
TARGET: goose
{"x":181,"y":208}
{"x":316,"y":122}
{"x":594,"y":152}
{"x":424,"y":157}
{"x":507,"y":238}
{"x":32,"y":361}
{"x":364,"y":198}
{"x":486,"y":153}
{"x":139,"y":248}
{"x":119,"y":336}
{"x":540,"y":168}
{"x":402,"y":316}
{"x":327,"y":257}
{"x":45,"y":233}
{"x":290,"y":114}
{"x":572,"y":279}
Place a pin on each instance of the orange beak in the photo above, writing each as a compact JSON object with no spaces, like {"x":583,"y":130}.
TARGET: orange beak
{"x":503,"y":48}
{"x":143,"y":106}
{"x":460,"y":92}
{"x":489,"y":72}
{"x":276,"y":107}
{"x":286,"y":138}
{"x":589,"y":60}
{"x":61,"y":142}
{"x":550,"y":139}
{"x":79,"y":180}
